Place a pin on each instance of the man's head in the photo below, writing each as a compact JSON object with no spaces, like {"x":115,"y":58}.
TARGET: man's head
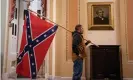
{"x":100,"y":12}
{"x":79,"y":28}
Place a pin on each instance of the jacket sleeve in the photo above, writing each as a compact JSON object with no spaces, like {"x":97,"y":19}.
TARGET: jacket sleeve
{"x":76,"y":41}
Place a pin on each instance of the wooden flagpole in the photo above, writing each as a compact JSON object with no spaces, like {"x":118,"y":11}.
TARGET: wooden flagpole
{"x":57,"y":24}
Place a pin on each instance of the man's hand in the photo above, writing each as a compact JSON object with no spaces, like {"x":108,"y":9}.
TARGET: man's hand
{"x":88,"y":41}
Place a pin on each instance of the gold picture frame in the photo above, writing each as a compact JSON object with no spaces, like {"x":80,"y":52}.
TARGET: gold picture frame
{"x":100,"y":16}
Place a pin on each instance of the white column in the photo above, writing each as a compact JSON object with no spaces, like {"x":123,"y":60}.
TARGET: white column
{"x":0,"y":39}
{"x":53,"y":46}
{"x":4,"y":27}
{"x":47,"y":56}
{"x":12,"y":45}
{"x":6,"y":35}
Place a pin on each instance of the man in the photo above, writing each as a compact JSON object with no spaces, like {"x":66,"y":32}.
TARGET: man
{"x":78,"y":47}
{"x":100,"y":19}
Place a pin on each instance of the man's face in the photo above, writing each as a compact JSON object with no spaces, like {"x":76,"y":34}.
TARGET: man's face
{"x":81,"y":30}
{"x":100,"y":13}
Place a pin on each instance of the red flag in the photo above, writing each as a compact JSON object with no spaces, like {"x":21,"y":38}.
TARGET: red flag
{"x":36,"y":39}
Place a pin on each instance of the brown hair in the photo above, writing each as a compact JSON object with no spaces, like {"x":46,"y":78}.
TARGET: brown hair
{"x":77,"y":26}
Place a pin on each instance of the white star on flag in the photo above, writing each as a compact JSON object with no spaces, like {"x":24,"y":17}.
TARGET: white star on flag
{"x":45,"y":35}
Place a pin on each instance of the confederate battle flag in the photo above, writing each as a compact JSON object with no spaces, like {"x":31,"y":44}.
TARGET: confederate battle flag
{"x":36,"y":39}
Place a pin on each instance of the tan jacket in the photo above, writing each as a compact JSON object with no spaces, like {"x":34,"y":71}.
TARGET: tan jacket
{"x":82,"y":54}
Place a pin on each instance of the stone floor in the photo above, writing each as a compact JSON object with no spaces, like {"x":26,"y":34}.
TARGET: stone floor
{"x":13,"y":77}
{"x":28,"y":79}
{"x":24,"y":79}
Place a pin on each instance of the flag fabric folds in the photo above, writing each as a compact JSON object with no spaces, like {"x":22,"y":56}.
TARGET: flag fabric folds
{"x":36,"y":38}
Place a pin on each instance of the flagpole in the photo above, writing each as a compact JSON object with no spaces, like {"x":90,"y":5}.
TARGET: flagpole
{"x":49,"y":20}
{"x":57,"y":24}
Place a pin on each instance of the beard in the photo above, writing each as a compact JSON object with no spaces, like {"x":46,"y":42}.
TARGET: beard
{"x":81,"y":32}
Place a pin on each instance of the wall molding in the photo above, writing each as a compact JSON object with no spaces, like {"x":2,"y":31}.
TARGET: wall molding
{"x":69,"y":25}
{"x":50,"y":77}
{"x":70,"y":78}
{"x":62,"y":78}
{"x":130,"y":61}
{"x":127,"y":78}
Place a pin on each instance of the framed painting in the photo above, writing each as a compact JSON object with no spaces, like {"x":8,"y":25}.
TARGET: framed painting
{"x":100,"y":16}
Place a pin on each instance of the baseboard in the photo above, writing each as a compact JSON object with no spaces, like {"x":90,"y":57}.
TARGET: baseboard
{"x":50,"y":77}
{"x":70,"y":78}
{"x":62,"y":78}
{"x":127,"y":78}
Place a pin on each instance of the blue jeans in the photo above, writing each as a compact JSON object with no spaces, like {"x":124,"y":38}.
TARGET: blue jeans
{"x":77,"y":69}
